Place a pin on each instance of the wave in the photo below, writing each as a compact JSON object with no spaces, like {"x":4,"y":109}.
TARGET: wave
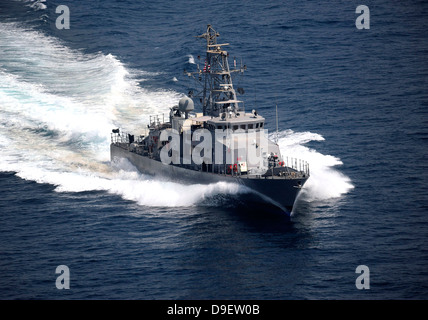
{"x":35,"y":4}
{"x":326,"y":181}
{"x":38,"y":5}
{"x":124,"y":180}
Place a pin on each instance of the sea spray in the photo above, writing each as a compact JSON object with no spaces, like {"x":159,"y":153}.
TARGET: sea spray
{"x":326,"y":181}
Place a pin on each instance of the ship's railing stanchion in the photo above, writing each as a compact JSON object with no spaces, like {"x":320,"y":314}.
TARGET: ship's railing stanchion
{"x":155,"y":120}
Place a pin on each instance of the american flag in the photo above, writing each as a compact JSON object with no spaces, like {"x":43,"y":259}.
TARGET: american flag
{"x":207,"y":68}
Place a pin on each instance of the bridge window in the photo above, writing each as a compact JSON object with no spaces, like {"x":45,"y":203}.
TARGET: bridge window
{"x":250,"y":126}
{"x":243,"y":126}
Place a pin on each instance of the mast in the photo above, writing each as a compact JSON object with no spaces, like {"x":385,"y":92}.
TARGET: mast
{"x":218,"y":95}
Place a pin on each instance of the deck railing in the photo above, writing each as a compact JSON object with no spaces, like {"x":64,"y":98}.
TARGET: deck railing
{"x":121,"y":137}
{"x":297,"y":164}
{"x":157,"y":119}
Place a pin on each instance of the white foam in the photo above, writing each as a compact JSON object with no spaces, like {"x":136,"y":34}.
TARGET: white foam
{"x":130,"y":185}
{"x":326,"y":181}
{"x":145,"y":190}
{"x":156,"y":193}
{"x":35,"y":4}
{"x":58,"y":106}
{"x":191,"y":59}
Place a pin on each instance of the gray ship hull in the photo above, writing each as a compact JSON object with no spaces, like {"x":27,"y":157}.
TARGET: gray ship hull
{"x":279,"y":192}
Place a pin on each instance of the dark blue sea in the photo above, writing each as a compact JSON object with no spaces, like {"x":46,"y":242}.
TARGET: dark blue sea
{"x":351,"y":102}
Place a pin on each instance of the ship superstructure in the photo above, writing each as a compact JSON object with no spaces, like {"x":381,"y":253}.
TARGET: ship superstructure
{"x":221,"y":143}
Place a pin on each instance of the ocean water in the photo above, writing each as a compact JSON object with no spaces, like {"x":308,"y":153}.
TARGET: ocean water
{"x":353,"y":103}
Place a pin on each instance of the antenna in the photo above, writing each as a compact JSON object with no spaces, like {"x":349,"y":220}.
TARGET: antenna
{"x":276,"y":107}
{"x":276,"y":111}
{"x":255,"y":98}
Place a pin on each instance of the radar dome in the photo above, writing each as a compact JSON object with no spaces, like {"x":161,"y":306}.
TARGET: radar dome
{"x":185,"y":104}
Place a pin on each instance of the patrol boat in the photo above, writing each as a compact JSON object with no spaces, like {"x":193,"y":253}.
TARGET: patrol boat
{"x":223,"y":143}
